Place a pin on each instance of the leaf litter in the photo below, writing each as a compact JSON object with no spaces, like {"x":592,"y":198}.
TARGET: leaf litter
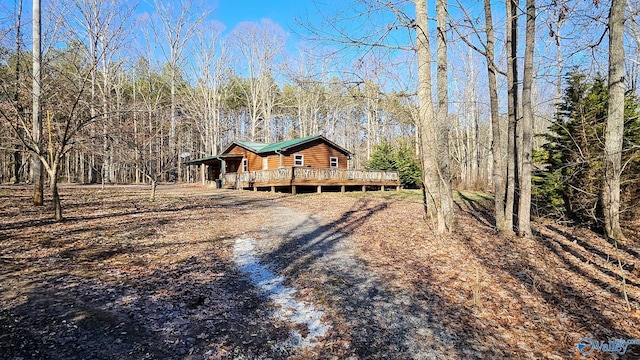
{"x":125,"y":278}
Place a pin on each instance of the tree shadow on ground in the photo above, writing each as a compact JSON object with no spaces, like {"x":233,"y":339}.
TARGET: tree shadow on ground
{"x":163,"y":316}
{"x":579,"y":264}
{"x":86,"y":288}
{"x":384,"y":320}
{"x":565,"y":297}
{"x":422,"y":321}
{"x":477,"y":210}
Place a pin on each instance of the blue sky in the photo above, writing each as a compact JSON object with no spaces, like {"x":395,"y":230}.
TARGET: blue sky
{"x":282,"y":12}
{"x":232,"y":12}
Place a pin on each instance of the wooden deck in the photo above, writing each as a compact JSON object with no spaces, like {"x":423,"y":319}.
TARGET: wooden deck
{"x":299,"y":176}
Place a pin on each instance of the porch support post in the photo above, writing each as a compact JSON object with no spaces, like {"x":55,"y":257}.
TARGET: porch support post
{"x":398,"y":188}
{"x":319,"y":189}
{"x":381,"y":187}
{"x":293,"y":189}
{"x":203,"y":173}
{"x":342,"y":188}
{"x":364,"y":188}
{"x":223,"y":170}
{"x":273,"y":189}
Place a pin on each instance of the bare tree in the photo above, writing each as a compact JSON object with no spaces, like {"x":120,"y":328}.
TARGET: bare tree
{"x":367,"y":17}
{"x":173,"y":28}
{"x":444,"y":158}
{"x":38,"y":174}
{"x":66,"y":117}
{"x":17,"y":152}
{"x":212,"y":65}
{"x":102,"y":26}
{"x":524,"y":210}
{"x":308,"y":74}
{"x":427,"y":123}
{"x":512,"y":104}
{"x":259,"y":46}
{"x":615,"y":123}
{"x":499,"y":188}
{"x":503,"y":211}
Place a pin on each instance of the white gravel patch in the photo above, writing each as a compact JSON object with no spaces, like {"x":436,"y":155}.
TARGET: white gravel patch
{"x":298,"y":312}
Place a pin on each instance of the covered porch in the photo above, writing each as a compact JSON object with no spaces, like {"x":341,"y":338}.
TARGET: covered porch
{"x":213,"y":168}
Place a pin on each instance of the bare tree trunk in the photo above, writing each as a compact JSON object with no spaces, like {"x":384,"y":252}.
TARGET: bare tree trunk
{"x":512,"y":97}
{"x":427,"y":123}
{"x":524,"y":210}
{"x":615,"y":123}
{"x":17,"y":158}
{"x":57,"y":205}
{"x":445,"y":215}
{"x":38,"y":173}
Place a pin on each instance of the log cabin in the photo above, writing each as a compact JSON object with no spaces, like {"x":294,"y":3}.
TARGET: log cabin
{"x":312,"y":161}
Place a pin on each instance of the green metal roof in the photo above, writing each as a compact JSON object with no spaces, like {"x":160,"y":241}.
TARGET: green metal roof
{"x":253,"y":146}
{"x":287,"y":144}
{"x":262,"y":148}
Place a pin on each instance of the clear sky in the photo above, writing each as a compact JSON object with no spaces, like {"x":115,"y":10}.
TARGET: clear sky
{"x":232,"y":12}
{"x":282,"y":12}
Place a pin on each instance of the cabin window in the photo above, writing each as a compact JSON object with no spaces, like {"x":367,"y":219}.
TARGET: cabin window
{"x":298,"y":160}
{"x":245,"y":165}
{"x":333,"y":162}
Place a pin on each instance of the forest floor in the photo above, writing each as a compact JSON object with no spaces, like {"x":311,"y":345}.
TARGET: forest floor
{"x":220,"y":274}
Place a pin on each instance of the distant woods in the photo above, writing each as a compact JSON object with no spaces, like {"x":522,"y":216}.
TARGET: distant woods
{"x":476,"y":94}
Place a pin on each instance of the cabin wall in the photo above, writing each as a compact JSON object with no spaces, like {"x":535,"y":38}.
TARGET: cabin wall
{"x":316,"y":155}
{"x":255,"y":161}
{"x":274,"y":161}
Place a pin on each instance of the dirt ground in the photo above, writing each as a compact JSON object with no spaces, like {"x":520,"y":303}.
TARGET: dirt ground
{"x":125,"y":278}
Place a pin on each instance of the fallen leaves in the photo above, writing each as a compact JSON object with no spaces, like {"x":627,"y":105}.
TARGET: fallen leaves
{"x":126,"y":278}
{"x":538,"y":296}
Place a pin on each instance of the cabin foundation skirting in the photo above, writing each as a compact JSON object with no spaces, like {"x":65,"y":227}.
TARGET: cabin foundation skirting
{"x":296,"y":189}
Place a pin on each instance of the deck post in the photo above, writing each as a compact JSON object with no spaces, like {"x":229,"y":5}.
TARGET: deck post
{"x":273,"y":189}
{"x":398,"y":188}
{"x":381,"y":187}
{"x":255,"y":188}
{"x":319,"y":189}
{"x":342,"y":188}
{"x":203,"y":174}
{"x":364,"y":188}
{"x":293,"y":189}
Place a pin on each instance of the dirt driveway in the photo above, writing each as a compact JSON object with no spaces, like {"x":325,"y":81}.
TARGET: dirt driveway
{"x":207,"y":274}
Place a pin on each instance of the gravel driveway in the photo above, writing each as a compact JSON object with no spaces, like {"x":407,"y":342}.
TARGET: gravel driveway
{"x":380,"y":322}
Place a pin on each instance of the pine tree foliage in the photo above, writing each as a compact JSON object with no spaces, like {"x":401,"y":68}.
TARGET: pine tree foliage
{"x":399,"y":158}
{"x":568,"y":182}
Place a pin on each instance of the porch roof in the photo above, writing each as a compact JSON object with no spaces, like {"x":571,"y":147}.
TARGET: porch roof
{"x":212,"y":159}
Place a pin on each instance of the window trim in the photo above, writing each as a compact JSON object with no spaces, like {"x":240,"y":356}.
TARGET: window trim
{"x":333,"y":162}
{"x":298,"y":160}
{"x":245,"y":164}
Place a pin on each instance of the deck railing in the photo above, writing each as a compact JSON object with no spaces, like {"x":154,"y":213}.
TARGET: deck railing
{"x":289,"y":175}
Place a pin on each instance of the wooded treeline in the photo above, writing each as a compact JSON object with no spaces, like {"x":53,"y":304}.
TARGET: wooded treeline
{"x":183,"y":92}
{"x":128,"y":95}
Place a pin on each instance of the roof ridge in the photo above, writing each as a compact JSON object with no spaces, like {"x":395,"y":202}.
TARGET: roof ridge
{"x":288,"y":143}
